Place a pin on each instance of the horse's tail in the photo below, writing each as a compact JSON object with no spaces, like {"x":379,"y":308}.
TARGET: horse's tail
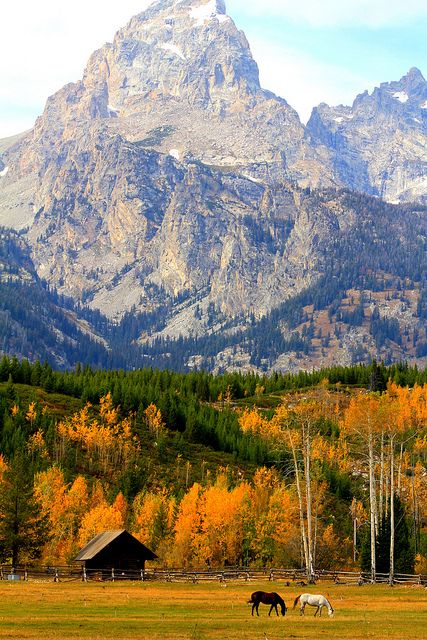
{"x":296,"y":601}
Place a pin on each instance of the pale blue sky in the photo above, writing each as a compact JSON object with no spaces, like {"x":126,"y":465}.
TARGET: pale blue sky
{"x":308,"y":51}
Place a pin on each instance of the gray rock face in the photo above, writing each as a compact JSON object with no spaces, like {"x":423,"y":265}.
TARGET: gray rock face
{"x":157,"y":168}
{"x":380,"y":143}
{"x":168,"y":178}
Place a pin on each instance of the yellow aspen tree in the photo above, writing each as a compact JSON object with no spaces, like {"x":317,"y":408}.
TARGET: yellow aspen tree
{"x":31,"y":414}
{"x":364,"y":417}
{"x":101,"y":518}
{"x":406,"y":408}
{"x":187,"y":527}
{"x":293,"y":428}
{"x":121,"y":505}
{"x":154,"y":421}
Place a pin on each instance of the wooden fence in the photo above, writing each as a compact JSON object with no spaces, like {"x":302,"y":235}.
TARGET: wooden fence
{"x":287,"y":576}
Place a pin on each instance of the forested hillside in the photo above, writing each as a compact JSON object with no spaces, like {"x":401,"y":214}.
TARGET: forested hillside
{"x":369,"y":301}
{"x":210,"y":471}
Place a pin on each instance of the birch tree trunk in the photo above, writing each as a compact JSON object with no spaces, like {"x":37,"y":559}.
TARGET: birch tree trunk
{"x":392,"y":536}
{"x":301,"y":506}
{"x":307,"y":456}
{"x":381,"y":505}
{"x":372,"y":506}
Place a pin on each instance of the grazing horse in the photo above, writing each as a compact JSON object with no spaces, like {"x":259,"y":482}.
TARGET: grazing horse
{"x":314,"y":601}
{"x":273,"y":599}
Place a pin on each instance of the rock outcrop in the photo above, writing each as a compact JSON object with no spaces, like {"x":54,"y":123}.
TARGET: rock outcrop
{"x":379,"y":144}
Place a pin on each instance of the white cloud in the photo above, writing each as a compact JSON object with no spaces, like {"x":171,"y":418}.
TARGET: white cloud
{"x":336,"y":13}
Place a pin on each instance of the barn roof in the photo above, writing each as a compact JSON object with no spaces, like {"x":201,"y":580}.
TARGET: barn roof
{"x":102,"y":540}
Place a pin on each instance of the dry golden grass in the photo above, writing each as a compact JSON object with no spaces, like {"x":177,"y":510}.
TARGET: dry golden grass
{"x":204,"y":611}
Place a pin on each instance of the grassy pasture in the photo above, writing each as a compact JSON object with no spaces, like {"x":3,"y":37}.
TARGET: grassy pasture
{"x":150,"y":611}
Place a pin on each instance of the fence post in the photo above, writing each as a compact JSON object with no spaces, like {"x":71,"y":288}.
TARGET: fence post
{"x":26,"y":575}
{"x":112,"y":574}
{"x":142,"y":575}
{"x":84,"y":575}
{"x":56,"y":578}
{"x":271,"y":576}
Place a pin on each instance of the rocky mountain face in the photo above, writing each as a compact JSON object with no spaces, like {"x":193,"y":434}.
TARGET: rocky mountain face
{"x":168,"y":186}
{"x":143,"y":172}
{"x":379,"y":144}
{"x":35,"y":322}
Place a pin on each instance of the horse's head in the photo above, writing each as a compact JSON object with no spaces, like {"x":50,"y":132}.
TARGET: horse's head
{"x":330,"y":611}
{"x":283,"y":608}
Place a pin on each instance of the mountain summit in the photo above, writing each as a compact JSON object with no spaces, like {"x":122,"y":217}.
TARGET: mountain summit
{"x":182,"y":70}
{"x":380,"y":143}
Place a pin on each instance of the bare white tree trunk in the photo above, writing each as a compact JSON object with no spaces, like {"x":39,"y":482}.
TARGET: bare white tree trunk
{"x":300,"y":505}
{"x":399,"y":473}
{"x":307,"y":457}
{"x":381,"y":501}
{"x":392,"y":537}
{"x":372,"y":506}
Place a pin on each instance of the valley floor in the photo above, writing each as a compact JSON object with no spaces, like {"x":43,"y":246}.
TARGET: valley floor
{"x":204,"y":612}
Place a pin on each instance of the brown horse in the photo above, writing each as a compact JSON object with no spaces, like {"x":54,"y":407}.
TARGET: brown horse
{"x":273,"y":599}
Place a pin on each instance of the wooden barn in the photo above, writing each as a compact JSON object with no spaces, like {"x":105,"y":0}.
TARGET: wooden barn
{"x":116,"y":551}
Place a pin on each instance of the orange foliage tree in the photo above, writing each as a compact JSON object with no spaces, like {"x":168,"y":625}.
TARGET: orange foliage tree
{"x":65,"y":505}
{"x":154,"y":518}
{"x":105,"y":443}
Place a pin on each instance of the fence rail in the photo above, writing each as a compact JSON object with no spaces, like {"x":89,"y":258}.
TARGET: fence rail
{"x":289,"y":576}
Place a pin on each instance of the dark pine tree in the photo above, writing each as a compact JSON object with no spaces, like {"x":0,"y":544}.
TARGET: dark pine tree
{"x":23,"y":529}
{"x":404,"y":555}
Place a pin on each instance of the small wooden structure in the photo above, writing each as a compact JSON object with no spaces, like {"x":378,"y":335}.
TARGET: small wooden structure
{"x":115,"y":553}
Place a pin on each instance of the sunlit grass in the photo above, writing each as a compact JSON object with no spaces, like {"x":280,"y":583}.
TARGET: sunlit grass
{"x":204,"y":611}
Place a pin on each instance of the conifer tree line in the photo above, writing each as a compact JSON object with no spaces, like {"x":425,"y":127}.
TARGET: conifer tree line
{"x":321,"y":469}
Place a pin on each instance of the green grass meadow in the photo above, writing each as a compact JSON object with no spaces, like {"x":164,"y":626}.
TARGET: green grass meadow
{"x":204,"y":611}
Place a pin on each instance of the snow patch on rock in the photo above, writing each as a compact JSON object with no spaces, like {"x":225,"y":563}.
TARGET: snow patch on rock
{"x":206,"y":12}
{"x":402,"y":96}
{"x":174,"y":49}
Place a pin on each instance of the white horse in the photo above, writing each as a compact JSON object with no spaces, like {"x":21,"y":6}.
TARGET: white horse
{"x":314,"y":601}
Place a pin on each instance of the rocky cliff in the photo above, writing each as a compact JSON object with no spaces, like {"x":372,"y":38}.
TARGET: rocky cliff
{"x":379,"y":144}
{"x":151,"y":168}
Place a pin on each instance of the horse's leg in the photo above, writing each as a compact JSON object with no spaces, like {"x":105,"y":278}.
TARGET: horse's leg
{"x":253,"y":607}
{"x":301,"y":611}
{"x":317,"y":611}
{"x":275,"y":606}
{"x":257,"y":607}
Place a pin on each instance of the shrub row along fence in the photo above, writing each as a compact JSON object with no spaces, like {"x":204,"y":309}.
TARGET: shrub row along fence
{"x":288,"y":576}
